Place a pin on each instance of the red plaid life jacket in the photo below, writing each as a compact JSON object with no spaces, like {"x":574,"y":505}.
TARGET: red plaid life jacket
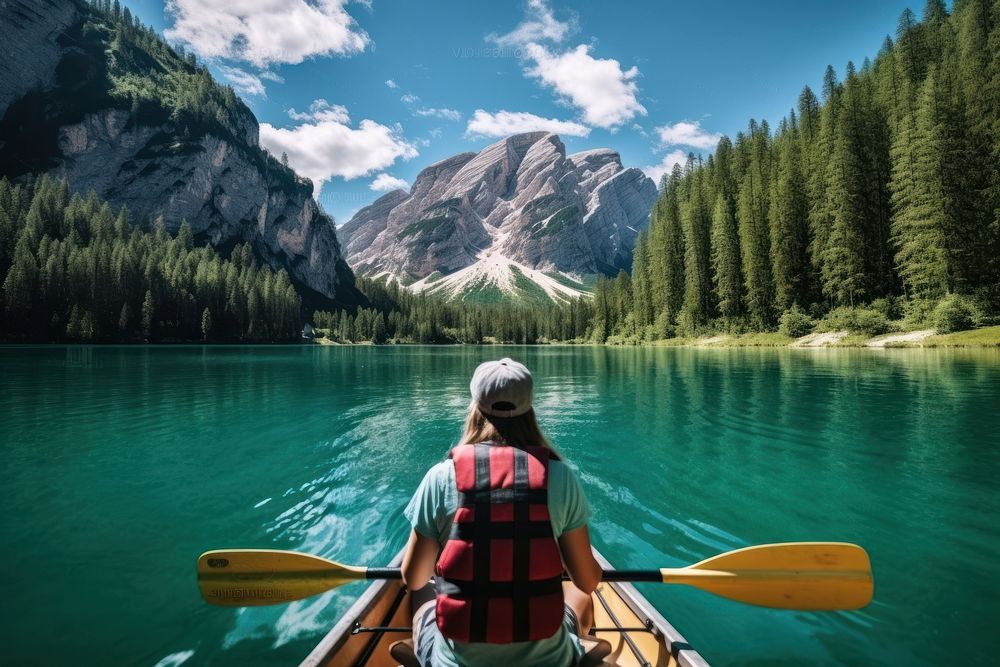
{"x":499,"y":576}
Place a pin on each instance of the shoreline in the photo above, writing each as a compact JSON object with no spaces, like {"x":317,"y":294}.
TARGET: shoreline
{"x":982,"y":338}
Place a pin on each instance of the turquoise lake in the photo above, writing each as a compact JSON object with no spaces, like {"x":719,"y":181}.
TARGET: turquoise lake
{"x":120,"y":465}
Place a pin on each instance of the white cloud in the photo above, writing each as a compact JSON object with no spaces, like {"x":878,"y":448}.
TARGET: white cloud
{"x":322,"y":111}
{"x":243,"y":82}
{"x":688,"y":133}
{"x":605,"y":93}
{"x":323,"y":144}
{"x":266,"y":31}
{"x":272,"y":76}
{"x":391,"y":84}
{"x":447,"y":114}
{"x":600,"y":88}
{"x":436,"y":132}
{"x":505,"y":123}
{"x":541,"y":24}
{"x":384,"y":183}
{"x":666,"y":165}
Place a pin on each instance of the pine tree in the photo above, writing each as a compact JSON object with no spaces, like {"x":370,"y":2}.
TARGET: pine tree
{"x":206,"y":323}
{"x":809,"y":128}
{"x":124,"y":319}
{"x":875,"y":149}
{"x":622,"y":317}
{"x":978,"y":62}
{"x":754,"y":231}
{"x":931,"y":225}
{"x":789,"y":216}
{"x":148,"y":315}
{"x":666,"y":252}
{"x":641,"y":285}
{"x":696,"y":222}
{"x":603,"y":311}
{"x":820,"y":213}
{"x":673,"y":295}
{"x":843,"y":269}
{"x":379,"y":329}
{"x":887,"y":82}
{"x":185,"y":237}
{"x":73,"y":329}
{"x":728,"y":274}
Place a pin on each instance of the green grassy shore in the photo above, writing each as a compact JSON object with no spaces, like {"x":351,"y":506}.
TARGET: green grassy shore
{"x":983,"y":337}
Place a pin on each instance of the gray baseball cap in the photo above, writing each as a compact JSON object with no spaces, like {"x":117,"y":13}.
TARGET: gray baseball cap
{"x":502,"y":388}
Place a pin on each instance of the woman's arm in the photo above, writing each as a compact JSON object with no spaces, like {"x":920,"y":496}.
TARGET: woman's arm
{"x":579,"y":559}
{"x":419,"y":560}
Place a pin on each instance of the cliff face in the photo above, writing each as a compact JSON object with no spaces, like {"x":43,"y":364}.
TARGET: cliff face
{"x":519,"y":205}
{"x":62,"y":111}
{"x":30,"y":32}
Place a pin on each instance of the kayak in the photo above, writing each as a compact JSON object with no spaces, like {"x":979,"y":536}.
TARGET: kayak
{"x":638,"y":634}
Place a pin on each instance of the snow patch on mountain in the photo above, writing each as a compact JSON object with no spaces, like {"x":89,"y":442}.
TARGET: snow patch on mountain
{"x":496,"y":272}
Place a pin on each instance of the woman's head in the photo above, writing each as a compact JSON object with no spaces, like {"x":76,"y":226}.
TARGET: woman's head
{"x":521,"y":431}
{"x":501,"y":409}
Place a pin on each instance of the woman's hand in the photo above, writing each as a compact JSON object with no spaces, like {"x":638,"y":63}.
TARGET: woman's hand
{"x":579,"y":559}
{"x":419,"y":560}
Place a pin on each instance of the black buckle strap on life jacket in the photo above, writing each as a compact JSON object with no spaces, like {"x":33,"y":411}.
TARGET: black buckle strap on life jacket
{"x":501,"y":496}
{"x":496,"y":589}
{"x":502,"y":531}
{"x":478,"y":623}
{"x":524,"y":530}
{"x":526,"y":603}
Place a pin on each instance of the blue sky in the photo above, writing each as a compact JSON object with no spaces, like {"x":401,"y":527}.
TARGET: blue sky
{"x":364,"y":95}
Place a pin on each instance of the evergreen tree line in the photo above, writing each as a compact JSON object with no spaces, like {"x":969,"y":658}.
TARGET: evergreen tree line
{"x":399,"y":315}
{"x":73,"y":270}
{"x":884,"y":195}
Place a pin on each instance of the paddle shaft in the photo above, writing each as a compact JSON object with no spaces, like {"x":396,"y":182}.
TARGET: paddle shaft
{"x":791,"y":575}
{"x":609,"y":575}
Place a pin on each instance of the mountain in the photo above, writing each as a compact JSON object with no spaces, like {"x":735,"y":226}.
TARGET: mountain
{"x":90,"y":95}
{"x":518,"y":219}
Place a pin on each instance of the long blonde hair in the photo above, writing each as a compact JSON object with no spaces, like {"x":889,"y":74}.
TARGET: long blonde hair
{"x":521,"y":431}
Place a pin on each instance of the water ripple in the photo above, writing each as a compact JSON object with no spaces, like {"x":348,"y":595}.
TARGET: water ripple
{"x":158,"y":454}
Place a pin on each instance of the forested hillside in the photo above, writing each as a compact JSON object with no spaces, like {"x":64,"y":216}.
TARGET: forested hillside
{"x":91,"y":95}
{"x":397,"y":314}
{"x":72,"y":269}
{"x":879,"y":201}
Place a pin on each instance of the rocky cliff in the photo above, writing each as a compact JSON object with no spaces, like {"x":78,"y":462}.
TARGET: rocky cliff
{"x":105,"y":103}
{"x":519,"y":216}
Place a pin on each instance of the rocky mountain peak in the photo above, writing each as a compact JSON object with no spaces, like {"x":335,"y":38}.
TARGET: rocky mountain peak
{"x":511,"y":214}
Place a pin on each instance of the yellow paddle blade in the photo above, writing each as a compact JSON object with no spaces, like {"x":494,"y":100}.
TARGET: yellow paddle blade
{"x":793,"y":575}
{"x":257,"y":577}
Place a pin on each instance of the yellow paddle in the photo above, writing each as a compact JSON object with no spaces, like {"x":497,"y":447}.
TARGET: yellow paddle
{"x":793,"y":575}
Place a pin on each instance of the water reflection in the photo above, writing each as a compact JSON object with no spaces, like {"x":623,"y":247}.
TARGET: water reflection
{"x":156,"y":454}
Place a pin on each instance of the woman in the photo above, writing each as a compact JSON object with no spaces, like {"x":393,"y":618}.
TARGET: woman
{"x":496,"y":524}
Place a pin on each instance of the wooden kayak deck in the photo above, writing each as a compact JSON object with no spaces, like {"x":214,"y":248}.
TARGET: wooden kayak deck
{"x":616,"y":605}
